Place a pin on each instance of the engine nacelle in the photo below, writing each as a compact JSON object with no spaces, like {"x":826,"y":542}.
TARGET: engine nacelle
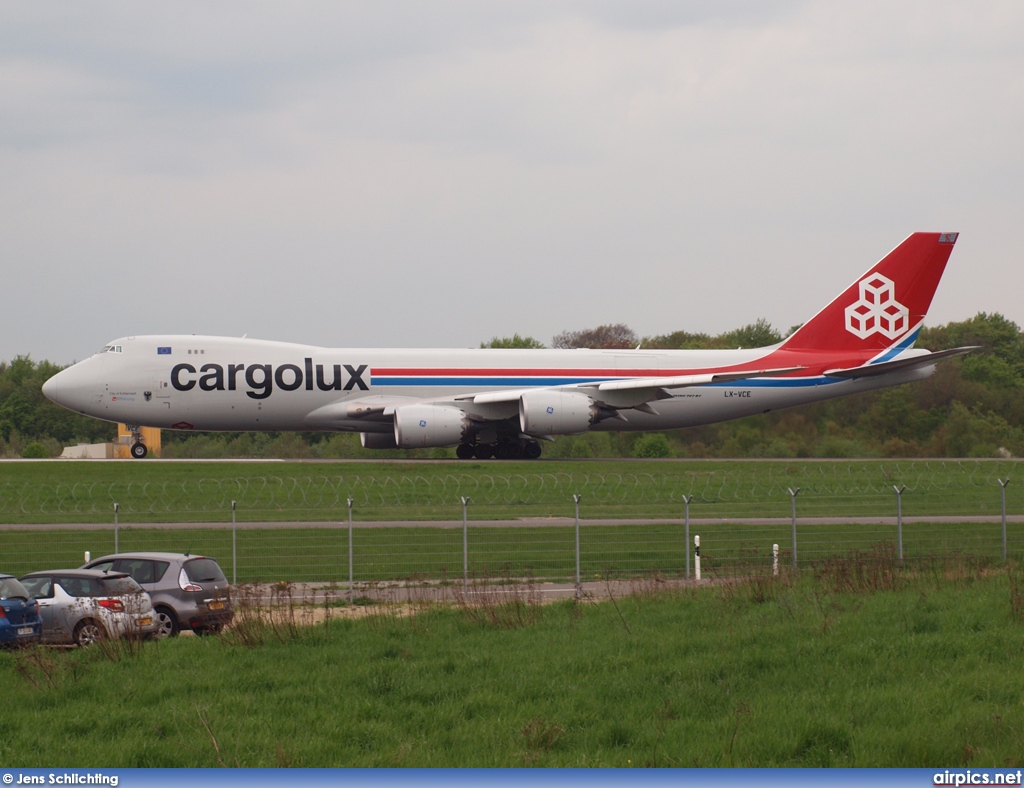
{"x":378,"y":440}
{"x":425,"y":426}
{"x":548,"y":412}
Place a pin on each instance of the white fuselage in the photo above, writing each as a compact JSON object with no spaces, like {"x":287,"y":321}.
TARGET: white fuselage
{"x":491,"y":402}
{"x":228,"y":384}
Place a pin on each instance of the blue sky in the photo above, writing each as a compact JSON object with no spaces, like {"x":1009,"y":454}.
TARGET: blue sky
{"x":409,"y":174}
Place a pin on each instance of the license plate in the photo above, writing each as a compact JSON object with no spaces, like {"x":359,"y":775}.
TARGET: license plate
{"x":145,"y":622}
{"x":24,"y":630}
{"x":216,"y":606}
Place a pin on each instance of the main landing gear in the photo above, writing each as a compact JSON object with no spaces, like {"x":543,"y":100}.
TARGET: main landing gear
{"x":504,"y":450}
{"x":138,"y":449}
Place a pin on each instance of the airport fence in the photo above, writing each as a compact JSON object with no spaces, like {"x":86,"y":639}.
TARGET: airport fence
{"x":445,"y":526}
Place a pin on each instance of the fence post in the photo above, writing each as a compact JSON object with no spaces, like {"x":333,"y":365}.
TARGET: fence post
{"x":775,"y":560}
{"x":1002,"y":493}
{"x":465,"y":545}
{"x":899,"y":519}
{"x":696,"y":557}
{"x":686,"y":537}
{"x":579,"y":587}
{"x":234,"y":545}
{"x":792,"y":497}
{"x":351,"y":585}
{"x":116,"y":530}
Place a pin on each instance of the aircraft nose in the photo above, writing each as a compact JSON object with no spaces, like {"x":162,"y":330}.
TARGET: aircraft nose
{"x":73,"y":388}
{"x":50,"y":388}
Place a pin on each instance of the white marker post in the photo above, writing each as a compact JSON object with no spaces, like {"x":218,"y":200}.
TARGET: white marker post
{"x":775,"y":560}
{"x":696,"y":558}
{"x":88,"y":556}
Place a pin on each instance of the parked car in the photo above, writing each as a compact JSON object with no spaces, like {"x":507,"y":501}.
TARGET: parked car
{"x":81,"y":606}
{"x":20,"y":622}
{"x":188,"y":591}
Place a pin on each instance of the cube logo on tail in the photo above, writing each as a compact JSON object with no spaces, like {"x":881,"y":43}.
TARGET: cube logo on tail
{"x":877,"y":311}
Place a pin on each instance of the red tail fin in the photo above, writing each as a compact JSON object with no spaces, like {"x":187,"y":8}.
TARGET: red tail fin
{"x":885,"y":305}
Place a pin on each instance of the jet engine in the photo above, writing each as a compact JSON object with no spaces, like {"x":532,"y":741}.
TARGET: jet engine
{"x":550,"y":412}
{"x":425,"y":426}
{"x":378,"y":440}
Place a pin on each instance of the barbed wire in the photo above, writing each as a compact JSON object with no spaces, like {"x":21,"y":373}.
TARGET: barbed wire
{"x":746,"y":483}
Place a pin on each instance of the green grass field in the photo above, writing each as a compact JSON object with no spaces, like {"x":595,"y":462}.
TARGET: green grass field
{"x":416,"y":554}
{"x":81,"y":493}
{"x":84,"y":492}
{"x":845,"y":668}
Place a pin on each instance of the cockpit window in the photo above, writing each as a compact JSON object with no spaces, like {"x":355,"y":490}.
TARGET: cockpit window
{"x":111,"y":349}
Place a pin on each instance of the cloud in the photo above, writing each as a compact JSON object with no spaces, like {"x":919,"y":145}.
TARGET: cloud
{"x":404,"y":174}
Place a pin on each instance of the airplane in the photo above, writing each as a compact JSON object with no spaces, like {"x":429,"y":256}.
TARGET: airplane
{"x":502,"y":402}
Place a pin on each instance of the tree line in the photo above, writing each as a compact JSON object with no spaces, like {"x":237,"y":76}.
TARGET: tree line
{"x":971,"y":407}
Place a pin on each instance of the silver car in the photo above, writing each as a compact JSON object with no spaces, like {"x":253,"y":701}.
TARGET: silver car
{"x":81,"y":606}
{"x":188,"y":591}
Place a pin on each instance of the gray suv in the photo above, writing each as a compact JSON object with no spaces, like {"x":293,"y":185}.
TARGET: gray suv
{"x":188,"y":591}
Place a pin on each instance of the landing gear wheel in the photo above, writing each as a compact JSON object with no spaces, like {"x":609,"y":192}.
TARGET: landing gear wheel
{"x":139,"y":450}
{"x":509,"y":451}
{"x":464,"y":451}
{"x":484,"y":451}
{"x":531,"y":450}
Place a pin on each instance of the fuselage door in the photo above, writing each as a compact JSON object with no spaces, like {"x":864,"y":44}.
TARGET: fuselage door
{"x":162,"y":388}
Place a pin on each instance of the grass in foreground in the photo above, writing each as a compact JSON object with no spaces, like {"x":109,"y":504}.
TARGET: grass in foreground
{"x":860,"y":664}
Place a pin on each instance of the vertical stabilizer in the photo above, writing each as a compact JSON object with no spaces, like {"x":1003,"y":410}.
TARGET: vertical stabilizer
{"x":884,"y":305}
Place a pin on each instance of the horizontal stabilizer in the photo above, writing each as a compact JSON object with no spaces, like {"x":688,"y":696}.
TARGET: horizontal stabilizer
{"x":885,"y":367}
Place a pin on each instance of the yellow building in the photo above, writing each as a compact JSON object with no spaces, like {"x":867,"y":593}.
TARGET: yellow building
{"x":123,"y":445}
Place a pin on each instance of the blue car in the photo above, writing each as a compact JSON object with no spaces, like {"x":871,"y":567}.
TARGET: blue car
{"x":20,"y":622}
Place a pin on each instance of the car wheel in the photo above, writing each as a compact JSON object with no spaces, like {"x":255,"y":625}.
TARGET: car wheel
{"x":88,"y":632}
{"x":167,"y":623}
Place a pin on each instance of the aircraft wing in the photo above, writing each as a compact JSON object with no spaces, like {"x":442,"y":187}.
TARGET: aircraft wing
{"x":373,"y":408}
{"x":900,"y":364}
{"x":686,"y":381}
{"x":641,"y":389}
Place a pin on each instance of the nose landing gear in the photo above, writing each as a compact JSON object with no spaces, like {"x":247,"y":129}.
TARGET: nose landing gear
{"x":138,"y":449}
